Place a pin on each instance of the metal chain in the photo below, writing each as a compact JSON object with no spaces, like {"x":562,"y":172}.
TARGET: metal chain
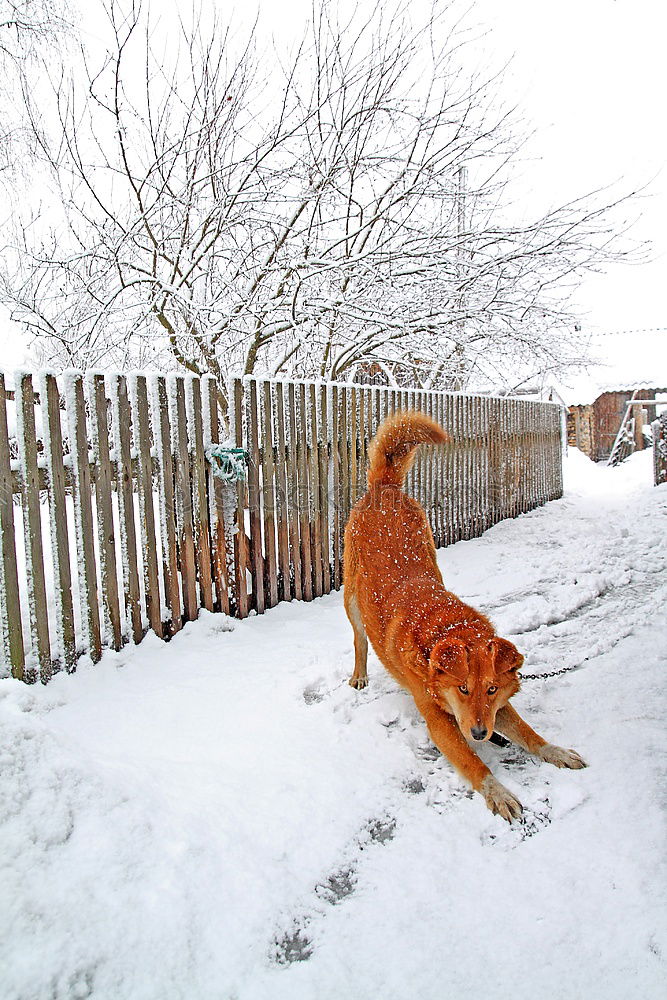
{"x":550,"y":673}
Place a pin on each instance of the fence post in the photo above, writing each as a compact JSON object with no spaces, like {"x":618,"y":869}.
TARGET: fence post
{"x":241,"y":546}
{"x":659,"y":428}
{"x":304,"y":496}
{"x":220,"y":533}
{"x":198,"y":464}
{"x":254,"y":499}
{"x":343,"y":491}
{"x":282,"y":494}
{"x":335,"y":492}
{"x":268,"y":465}
{"x":103,"y":496}
{"x":60,"y":542}
{"x":315,"y":512}
{"x":120,"y":412}
{"x":186,"y":542}
{"x":293,"y":494}
{"x":11,"y":631}
{"x":32,"y":524}
{"x":83,"y":513}
{"x":142,"y":442}
{"x":165,"y":466}
{"x":323,"y":455}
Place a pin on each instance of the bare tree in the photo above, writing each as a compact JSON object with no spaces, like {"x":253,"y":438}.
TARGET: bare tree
{"x":27,"y":31}
{"x":308,"y":220}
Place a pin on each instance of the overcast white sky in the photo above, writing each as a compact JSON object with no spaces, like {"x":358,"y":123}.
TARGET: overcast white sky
{"x":590,"y":77}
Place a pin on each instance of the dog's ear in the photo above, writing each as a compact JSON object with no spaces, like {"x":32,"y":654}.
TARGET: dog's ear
{"x":450,"y":658}
{"x":506,"y":657}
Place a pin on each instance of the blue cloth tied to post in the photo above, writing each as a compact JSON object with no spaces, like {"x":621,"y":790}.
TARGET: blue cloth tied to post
{"x":229,"y":464}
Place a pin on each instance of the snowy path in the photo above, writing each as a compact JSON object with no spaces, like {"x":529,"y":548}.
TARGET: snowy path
{"x":223,"y":817}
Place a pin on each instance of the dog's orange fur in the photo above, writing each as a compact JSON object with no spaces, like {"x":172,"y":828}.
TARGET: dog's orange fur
{"x":447,"y":654}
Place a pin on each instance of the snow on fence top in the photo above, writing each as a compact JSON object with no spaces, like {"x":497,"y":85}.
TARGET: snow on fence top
{"x":122,"y":524}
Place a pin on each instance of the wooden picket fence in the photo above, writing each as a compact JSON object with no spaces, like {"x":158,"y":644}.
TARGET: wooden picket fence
{"x":128,"y":525}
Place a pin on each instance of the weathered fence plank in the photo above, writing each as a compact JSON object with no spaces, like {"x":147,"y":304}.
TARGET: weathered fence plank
{"x":323,"y":500}
{"x":282,"y":511}
{"x":65,"y":641}
{"x":344,"y":471}
{"x":448,"y":474}
{"x":314,"y":471}
{"x":335,"y":491}
{"x":120,"y":416}
{"x":10,"y":600}
{"x":165,"y":472}
{"x":183,"y":487}
{"x":354,"y":448}
{"x":255,"y":500}
{"x":83,"y":515}
{"x":361,"y":443}
{"x":220,"y":534}
{"x":146,"y":509}
{"x":199,"y":499}
{"x":293,"y":493}
{"x":106,"y":532}
{"x":304,"y":495}
{"x":241,"y":547}
{"x":268,"y":466}
{"x":32,"y":526}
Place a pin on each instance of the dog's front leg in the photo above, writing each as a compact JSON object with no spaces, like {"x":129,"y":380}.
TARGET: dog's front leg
{"x":510,"y":724}
{"x":449,"y":740}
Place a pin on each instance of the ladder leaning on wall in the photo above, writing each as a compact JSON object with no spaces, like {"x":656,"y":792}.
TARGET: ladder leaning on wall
{"x":625,"y":442}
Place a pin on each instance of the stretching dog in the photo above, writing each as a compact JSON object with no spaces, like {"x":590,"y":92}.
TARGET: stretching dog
{"x":460,"y":673}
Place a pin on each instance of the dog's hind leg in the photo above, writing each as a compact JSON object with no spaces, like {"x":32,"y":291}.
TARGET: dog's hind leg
{"x":359,"y":678}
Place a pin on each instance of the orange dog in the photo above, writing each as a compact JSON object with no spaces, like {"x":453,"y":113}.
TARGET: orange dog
{"x":460,"y":673}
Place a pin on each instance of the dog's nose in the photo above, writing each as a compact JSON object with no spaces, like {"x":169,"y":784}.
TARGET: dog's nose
{"x":478,"y":733}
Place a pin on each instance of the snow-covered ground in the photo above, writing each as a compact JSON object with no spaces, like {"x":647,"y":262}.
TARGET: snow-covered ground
{"x":223,"y":817}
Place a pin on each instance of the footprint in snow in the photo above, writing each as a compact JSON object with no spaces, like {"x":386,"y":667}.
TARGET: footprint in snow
{"x":338,"y":885}
{"x":533,"y":819}
{"x":315,"y":693}
{"x":414,"y":786}
{"x":295,"y":944}
{"x":379,"y":831}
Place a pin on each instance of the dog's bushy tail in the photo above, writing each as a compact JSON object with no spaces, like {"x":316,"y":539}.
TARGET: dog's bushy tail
{"x":392,"y":450}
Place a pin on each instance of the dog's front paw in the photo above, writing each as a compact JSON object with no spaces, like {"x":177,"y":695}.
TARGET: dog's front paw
{"x":500,"y":801}
{"x":561,"y":757}
{"x":358,"y":683}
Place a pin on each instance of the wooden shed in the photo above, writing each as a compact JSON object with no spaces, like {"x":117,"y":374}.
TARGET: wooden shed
{"x":622,"y":363}
{"x":592,"y":427}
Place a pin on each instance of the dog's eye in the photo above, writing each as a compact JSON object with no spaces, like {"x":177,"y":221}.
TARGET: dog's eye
{"x":492,"y":690}
{"x":463,"y":689}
